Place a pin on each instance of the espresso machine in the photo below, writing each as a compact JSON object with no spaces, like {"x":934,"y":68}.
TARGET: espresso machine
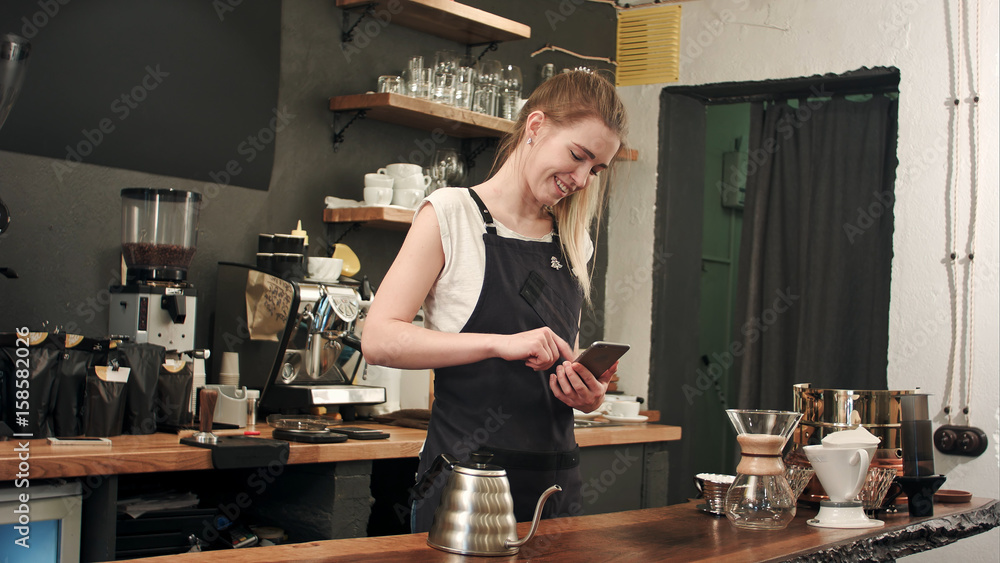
{"x":156,"y":304}
{"x":294,"y":339}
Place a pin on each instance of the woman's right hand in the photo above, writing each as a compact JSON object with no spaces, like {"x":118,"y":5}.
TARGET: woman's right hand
{"x":540,"y":348}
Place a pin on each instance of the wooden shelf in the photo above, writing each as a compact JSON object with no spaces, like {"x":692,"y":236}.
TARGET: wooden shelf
{"x":447,"y":19}
{"x":628,"y":154}
{"x":423,"y":114}
{"x":392,"y":218}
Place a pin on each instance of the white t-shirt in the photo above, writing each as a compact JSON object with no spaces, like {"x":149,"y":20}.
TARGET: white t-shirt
{"x":454,"y":295}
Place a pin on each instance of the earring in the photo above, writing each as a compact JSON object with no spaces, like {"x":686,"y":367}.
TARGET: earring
{"x":529,"y":140}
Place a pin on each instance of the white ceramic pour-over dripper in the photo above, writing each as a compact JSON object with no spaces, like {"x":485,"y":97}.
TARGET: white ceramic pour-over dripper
{"x":842,"y":472}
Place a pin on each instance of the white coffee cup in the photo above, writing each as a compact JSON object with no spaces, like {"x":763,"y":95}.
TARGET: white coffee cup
{"x":230,"y":363}
{"x":629,"y":409}
{"x":401,"y":169}
{"x":407,"y":198}
{"x":373,"y":180}
{"x":414,"y":182}
{"x":841,"y":471}
{"x":378,"y":196}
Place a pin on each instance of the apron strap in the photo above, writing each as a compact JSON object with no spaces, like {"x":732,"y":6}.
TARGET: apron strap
{"x":487,"y":216}
{"x":535,"y":461}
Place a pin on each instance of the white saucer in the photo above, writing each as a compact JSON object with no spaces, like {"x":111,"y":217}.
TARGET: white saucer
{"x":585,"y":415}
{"x":613,"y":418}
{"x":847,"y":525}
{"x":843,"y":515}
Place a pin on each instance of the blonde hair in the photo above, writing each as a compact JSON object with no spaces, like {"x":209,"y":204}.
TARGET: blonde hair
{"x":567,"y":99}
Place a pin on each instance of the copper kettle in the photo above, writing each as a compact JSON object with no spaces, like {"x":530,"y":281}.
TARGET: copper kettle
{"x":476,"y":513}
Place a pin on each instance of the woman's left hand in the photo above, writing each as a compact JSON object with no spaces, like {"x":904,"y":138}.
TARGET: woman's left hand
{"x":574,"y":385}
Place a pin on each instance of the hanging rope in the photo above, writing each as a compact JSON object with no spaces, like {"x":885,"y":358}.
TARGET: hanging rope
{"x":964,"y":352}
{"x":973,"y":204}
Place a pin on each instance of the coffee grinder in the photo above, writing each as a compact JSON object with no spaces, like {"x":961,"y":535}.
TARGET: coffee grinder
{"x":156,"y":304}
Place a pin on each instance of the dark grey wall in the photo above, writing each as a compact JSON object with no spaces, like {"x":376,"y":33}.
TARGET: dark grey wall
{"x":65,"y":237}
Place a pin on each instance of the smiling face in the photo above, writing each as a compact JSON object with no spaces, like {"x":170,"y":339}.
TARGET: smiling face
{"x":562,"y":160}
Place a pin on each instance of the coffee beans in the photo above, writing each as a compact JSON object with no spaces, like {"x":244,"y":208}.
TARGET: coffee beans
{"x":162,"y":255}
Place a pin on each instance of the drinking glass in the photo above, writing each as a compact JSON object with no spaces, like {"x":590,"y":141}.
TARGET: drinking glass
{"x":486,"y":97}
{"x":465,"y":80}
{"x":510,"y":93}
{"x":445,"y":67}
{"x":413,"y":74}
{"x":390,"y":83}
{"x":548,"y":71}
{"x":424,"y":86}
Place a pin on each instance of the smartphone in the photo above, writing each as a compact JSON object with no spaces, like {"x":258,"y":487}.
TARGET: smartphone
{"x":358,"y":433}
{"x":600,"y":356}
{"x":80,"y":441}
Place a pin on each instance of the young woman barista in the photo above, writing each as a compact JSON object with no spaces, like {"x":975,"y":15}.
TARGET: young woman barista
{"x":501,"y":270}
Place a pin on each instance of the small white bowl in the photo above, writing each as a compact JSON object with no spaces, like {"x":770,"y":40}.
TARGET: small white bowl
{"x":325,"y":269}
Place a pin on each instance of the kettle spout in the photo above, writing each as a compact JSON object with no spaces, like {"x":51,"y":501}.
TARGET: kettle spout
{"x":534,"y":521}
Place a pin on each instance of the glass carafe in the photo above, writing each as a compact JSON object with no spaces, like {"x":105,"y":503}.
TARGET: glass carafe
{"x":760,"y":497}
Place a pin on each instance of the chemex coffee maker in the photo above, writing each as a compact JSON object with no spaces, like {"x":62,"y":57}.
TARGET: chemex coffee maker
{"x":293,"y":338}
{"x":156,"y":304}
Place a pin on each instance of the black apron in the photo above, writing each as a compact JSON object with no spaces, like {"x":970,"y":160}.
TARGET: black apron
{"x":503,"y":407}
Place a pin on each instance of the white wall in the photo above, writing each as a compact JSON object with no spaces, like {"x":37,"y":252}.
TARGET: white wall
{"x":730,"y":41}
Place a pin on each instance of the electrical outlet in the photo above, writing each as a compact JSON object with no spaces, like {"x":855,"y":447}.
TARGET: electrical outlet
{"x":960,"y":440}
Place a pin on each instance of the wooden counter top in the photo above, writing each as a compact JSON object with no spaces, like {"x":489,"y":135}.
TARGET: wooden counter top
{"x":163,"y":452}
{"x":674,"y":533}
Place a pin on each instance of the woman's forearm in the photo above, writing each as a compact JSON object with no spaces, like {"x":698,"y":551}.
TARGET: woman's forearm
{"x":399,"y":344}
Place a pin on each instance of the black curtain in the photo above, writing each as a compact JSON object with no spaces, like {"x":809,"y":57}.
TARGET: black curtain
{"x":813,"y":301}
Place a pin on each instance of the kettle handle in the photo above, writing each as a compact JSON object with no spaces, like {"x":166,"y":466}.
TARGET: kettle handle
{"x":534,"y":521}
{"x":426,"y":482}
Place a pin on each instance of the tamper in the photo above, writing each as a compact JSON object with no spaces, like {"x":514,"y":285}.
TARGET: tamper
{"x":208,"y":398}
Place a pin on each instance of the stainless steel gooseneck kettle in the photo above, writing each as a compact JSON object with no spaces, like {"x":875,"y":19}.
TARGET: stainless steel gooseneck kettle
{"x":476,"y":514}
